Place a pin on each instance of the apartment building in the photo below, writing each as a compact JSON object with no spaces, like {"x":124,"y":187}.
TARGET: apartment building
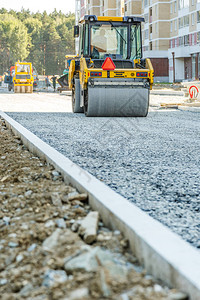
{"x":155,"y":32}
{"x":184,"y":44}
{"x":101,"y":7}
{"x":171,"y":32}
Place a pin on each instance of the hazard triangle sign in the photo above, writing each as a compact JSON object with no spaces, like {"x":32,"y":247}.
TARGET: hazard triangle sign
{"x":108,"y":64}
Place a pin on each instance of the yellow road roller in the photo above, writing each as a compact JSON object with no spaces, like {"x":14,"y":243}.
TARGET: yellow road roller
{"x":109,"y":77}
{"x":23,"y":78}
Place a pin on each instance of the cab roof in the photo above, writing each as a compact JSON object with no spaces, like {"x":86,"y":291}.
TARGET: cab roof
{"x":126,"y":19}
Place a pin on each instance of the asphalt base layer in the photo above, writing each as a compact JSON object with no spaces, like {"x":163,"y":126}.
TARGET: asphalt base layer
{"x":163,"y":253}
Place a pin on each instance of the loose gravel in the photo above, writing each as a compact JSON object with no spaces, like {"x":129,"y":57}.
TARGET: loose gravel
{"x":153,"y":162}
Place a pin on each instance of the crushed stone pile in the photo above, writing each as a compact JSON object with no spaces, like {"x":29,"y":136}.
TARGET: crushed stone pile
{"x":53,"y":246}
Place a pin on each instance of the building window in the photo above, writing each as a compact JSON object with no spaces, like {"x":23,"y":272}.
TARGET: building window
{"x":198,"y":16}
{"x":193,"y":19}
{"x":186,"y":21}
{"x":146,"y":34}
{"x":183,"y":3}
{"x":175,"y":25}
{"x":186,"y":40}
{"x":171,"y":26}
{"x":198,"y":37}
{"x":180,"y":4}
{"x":146,"y":18}
{"x":181,"y":41}
{"x":125,"y":7}
{"x":156,"y":8}
{"x":171,"y":8}
{"x":192,"y":2}
{"x":146,"y":3}
{"x":192,"y":39}
{"x":156,"y":27}
{"x":175,"y":6}
{"x":180,"y":22}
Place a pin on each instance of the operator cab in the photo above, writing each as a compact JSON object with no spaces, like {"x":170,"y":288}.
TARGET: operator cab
{"x":116,"y":37}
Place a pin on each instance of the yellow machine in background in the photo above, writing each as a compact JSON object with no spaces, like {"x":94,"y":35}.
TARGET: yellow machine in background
{"x":23,"y":78}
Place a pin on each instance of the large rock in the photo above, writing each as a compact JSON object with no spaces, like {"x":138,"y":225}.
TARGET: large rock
{"x":96,"y":258}
{"x":89,"y":226}
{"x":60,"y":238}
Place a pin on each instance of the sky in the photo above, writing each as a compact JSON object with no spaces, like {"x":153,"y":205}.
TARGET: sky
{"x":41,"y":5}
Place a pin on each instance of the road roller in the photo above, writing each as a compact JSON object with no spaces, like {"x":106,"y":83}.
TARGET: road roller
{"x":109,"y":77}
{"x":23,"y":78}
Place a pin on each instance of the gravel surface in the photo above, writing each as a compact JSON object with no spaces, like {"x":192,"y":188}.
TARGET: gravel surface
{"x":153,"y":162}
{"x":45,"y":231}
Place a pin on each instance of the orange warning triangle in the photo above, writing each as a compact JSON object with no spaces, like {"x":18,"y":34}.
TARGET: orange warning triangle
{"x":108,"y":64}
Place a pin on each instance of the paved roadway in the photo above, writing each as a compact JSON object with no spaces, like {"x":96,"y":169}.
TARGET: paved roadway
{"x":153,"y":162}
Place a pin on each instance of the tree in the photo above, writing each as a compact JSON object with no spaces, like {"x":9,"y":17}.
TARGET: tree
{"x":41,"y":38}
{"x":14,"y":40}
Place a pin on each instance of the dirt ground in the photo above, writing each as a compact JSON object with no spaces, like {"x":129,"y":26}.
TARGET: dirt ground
{"x":41,"y":240}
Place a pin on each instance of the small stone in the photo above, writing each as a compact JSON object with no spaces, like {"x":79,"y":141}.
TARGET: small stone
{"x":116,"y":232}
{"x":77,"y":196}
{"x":51,"y":242}
{"x":28,"y":193}
{"x":3,"y":281}
{"x":100,"y":238}
{"x":158,"y":288}
{"x":79,"y":294}
{"x":75,"y":227}
{"x":3,"y":157}
{"x":24,"y":226}
{"x":51,"y":277}
{"x":49,"y":223}
{"x":12,"y":235}
{"x":55,"y":198}
{"x":13,"y":244}
{"x":26,"y":289}
{"x":124,"y":243}
{"x":61,"y":223}
{"x":6,"y":220}
{"x":89,"y":226}
{"x":178,"y":296}
{"x":19,"y":258}
{"x":32,"y":247}
{"x":55,"y":173}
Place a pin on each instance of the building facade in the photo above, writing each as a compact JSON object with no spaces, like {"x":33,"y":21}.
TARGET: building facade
{"x":184,"y":44}
{"x":170,"y":33}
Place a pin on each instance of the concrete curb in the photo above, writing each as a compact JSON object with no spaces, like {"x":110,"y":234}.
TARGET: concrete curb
{"x":167,"y":93}
{"x":189,"y":108}
{"x":163,"y":253}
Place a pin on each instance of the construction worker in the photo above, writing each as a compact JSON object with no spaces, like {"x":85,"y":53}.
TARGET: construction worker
{"x":54,"y":82}
{"x":47,"y":83}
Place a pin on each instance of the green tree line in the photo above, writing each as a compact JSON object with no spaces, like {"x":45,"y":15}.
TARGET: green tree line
{"x":41,"y":38}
